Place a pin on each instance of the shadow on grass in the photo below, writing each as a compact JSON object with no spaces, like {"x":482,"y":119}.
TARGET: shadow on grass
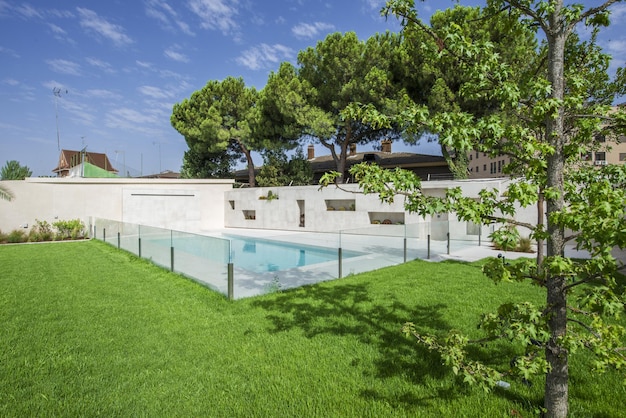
{"x":351,"y":310}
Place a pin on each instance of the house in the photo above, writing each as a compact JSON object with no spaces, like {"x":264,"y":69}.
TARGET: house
{"x":84,"y":164}
{"x":605,"y":151}
{"x":481,"y":165}
{"x":426,"y":167}
{"x":167,"y":174}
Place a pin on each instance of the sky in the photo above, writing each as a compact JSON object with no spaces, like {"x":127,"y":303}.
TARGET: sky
{"x":105,"y":74}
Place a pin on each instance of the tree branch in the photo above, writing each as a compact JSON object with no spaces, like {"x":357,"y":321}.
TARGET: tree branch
{"x":586,"y":327}
{"x":591,"y":12}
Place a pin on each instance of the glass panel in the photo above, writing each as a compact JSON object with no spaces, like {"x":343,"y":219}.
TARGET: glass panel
{"x":155,"y":245}
{"x":202,"y":258}
{"x":129,"y":238}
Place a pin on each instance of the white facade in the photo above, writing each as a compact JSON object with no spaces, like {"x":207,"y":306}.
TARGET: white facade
{"x":330,"y":209}
{"x":183,"y":205}
{"x":199,"y":206}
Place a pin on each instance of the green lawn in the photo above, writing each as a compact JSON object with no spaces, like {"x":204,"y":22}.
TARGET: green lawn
{"x":88,"y":330}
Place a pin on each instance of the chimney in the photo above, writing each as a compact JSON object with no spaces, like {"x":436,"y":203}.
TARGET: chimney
{"x":352,"y":149}
{"x":311,"y":152}
{"x":385,"y":145}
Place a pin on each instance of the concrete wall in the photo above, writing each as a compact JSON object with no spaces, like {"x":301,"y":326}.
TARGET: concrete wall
{"x":247,"y":208}
{"x":184,"y":205}
{"x":203,"y":205}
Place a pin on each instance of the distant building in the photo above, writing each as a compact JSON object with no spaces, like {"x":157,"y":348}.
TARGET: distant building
{"x":480,"y":165}
{"x":608,"y":152}
{"x":426,"y":167}
{"x":84,"y":164}
{"x":167,"y":174}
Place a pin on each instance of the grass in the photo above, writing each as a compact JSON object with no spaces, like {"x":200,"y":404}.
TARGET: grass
{"x":88,"y":330}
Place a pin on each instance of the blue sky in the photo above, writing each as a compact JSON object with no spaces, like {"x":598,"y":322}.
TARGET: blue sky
{"x":119,"y":66}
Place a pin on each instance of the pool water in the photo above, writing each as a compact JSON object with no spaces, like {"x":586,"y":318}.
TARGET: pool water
{"x":259,"y":256}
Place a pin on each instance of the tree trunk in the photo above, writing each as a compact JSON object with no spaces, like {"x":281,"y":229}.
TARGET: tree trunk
{"x":343,"y":153}
{"x":341,"y":162}
{"x":556,"y":390}
{"x":248,"y":154}
{"x":540,"y":223}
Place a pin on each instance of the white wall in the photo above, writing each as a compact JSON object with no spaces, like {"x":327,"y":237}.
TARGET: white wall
{"x":184,"y":205}
{"x":204,"y":205}
{"x":285,"y":212}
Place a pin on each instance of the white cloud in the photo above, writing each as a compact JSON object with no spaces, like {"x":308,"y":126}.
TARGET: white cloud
{"x":94,"y":23}
{"x":9,"y":51}
{"x":375,"y":4}
{"x":101,"y":94}
{"x":56,"y":29}
{"x":143,"y":64}
{"x":135,"y":121}
{"x":54,"y":85}
{"x":617,"y":47}
{"x":154,"y":92}
{"x":4,"y":7}
{"x":169,"y":18}
{"x":216,"y":14}
{"x":10,"y":82}
{"x":618,"y":13}
{"x":311,"y":30}
{"x":104,"y":66}
{"x":64,"y":67}
{"x":28,"y":11}
{"x":263,"y":56}
{"x":60,"y":34}
{"x":172,"y":53}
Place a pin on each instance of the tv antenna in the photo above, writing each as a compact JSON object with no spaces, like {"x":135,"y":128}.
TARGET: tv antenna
{"x":58,"y":92}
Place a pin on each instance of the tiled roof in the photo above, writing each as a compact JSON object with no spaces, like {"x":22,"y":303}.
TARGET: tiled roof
{"x":70,"y":158}
{"x":383,"y":159}
{"x":420,"y":163}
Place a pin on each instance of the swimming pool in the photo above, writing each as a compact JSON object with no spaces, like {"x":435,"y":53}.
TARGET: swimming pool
{"x":261,"y":255}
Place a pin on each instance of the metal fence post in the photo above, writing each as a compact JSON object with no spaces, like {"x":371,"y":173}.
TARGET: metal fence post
{"x":428,"y":247}
{"x":172,"y":258}
{"x":104,"y":234}
{"x":118,"y":240}
{"x":139,"y":252}
{"x":448,"y":235}
{"x":339,"y":255}
{"x":231,"y":282}
{"x":405,"y":249}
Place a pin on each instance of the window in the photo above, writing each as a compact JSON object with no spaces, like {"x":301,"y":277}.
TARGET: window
{"x":477,"y":169}
{"x":500,"y":166}
{"x":600,"y":138}
{"x":476,"y":154}
{"x":600,"y":156}
{"x":622,"y":156}
{"x":470,"y":157}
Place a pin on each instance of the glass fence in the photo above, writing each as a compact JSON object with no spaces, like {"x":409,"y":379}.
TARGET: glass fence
{"x":240,"y":262}
{"x":202,"y":258}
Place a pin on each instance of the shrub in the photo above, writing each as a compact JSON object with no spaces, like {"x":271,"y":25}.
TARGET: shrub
{"x":3,"y":237}
{"x":41,"y":231}
{"x":525,"y":245}
{"x":271,"y":196}
{"x":16,"y":236}
{"x":71,"y":229}
{"x":505,"y":239}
